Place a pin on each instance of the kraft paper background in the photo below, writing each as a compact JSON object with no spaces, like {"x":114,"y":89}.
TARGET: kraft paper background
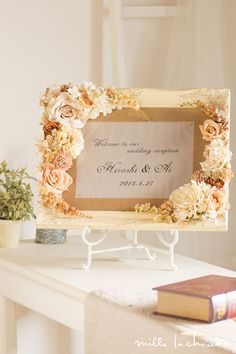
{"x":144,"y":114}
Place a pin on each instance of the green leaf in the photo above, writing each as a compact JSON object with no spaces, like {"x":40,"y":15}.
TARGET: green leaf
{"x":15,"y":194}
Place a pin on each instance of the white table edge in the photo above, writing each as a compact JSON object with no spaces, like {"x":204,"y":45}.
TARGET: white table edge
{"x":42,"y":294}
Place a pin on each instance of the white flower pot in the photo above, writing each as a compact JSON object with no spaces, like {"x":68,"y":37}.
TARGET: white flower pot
{"x":10,"y":232}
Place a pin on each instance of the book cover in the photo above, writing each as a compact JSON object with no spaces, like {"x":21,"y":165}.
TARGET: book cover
{"x":214,"y":292}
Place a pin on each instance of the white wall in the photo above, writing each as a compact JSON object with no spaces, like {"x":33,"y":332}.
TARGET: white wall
{"x":42,"y":43}
{"x":52,"y":41}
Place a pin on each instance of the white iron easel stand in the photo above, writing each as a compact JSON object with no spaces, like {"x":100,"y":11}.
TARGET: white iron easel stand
{"x":91,"y":246}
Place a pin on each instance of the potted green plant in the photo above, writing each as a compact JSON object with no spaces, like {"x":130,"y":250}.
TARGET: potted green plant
{"x":15,"y":203}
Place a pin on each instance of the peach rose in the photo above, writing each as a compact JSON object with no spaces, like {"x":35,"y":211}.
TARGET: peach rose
{"x":211,"y":130}
{"x":67,"y":111}
{"x":217,"y":198}
{"x":55,"y":180}
{"x":214,"y":165}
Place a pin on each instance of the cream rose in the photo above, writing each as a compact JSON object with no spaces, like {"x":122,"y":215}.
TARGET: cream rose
{"x":55,"y":180}
{"x":67,"y":111}
{"x":213,"y":165}
{"x":211,"y":130}
{"x":190,"y":201}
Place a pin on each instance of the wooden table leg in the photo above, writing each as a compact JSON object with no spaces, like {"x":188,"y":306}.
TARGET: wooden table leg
{"x":8,"y":340}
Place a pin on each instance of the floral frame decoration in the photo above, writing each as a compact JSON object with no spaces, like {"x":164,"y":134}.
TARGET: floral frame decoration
{"x":200,"y":204}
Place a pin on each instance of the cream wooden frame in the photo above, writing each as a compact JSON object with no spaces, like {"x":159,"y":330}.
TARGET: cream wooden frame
{"x":113,"y":220}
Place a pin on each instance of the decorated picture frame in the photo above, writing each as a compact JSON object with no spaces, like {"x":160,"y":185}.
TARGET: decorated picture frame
{"x":191,"y":126}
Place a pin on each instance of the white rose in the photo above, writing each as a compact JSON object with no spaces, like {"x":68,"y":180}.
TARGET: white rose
{"x":77,"y":142}
{"x":190,"y":201}
{"x":102,"y":105}
{"x":218,"y":149}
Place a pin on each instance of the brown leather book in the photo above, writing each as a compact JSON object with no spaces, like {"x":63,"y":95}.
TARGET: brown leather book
{"x":210,"y":298}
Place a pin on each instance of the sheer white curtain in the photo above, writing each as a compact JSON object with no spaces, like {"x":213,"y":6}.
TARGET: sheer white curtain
{"x":202,"y":53}
{"x":196,"y":48}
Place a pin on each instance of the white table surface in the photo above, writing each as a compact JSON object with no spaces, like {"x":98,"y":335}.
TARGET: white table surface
{"x":50,"y":280}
